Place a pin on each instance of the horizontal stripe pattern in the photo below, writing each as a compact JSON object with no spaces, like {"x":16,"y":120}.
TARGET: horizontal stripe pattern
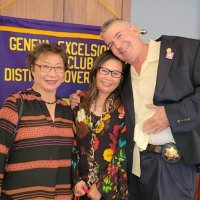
{"x":42,"y":142}
{"x":62,"y":191}
{"x":9,"y":114}
{"x":3,"y":149}
{"x":40,"y":163}
{"x":37,"y":132}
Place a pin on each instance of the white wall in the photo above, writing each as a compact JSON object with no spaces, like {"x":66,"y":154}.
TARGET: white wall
{"x":167,"y":17}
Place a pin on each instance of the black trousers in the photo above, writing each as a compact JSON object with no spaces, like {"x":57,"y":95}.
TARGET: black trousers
{"x":161,"y":180}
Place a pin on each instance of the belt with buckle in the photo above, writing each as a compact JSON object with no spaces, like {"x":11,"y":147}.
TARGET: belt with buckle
{"x":169,"y":151}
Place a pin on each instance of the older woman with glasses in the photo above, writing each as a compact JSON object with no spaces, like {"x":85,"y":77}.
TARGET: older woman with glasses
{"x":39,"y":160}
{"x":99,"y":161}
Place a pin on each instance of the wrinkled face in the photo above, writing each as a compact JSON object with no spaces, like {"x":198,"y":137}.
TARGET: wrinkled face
{"x":123,"y":40}
{"x":106,"y":83}
{"x":48,"y":81}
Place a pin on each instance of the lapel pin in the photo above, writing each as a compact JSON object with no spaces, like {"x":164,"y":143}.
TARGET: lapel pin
{"x":169,"y":54}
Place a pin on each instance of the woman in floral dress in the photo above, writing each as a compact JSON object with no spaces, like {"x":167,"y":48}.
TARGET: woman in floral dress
{"x":99,"y":161}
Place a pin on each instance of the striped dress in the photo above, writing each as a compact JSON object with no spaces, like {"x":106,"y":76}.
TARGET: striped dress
{"x":39,"y":165}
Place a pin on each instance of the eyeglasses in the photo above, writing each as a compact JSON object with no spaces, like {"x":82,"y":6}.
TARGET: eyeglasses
{"x":46,"y":68}
{"x":114,"y":73}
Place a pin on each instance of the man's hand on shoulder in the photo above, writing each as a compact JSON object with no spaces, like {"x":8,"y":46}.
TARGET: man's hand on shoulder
{"x":75,"y":99}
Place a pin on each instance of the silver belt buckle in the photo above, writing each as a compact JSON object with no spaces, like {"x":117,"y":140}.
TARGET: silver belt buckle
{"x":171,"y":153}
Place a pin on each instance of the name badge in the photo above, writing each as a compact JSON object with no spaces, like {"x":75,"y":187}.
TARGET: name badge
{"x":81,"y":115}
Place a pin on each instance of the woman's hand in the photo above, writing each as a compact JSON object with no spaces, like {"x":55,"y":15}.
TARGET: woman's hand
{"x":94,"y":193}
{"x":79,"y":188}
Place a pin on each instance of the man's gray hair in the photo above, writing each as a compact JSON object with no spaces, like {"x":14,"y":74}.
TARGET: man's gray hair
{"x":109,"y":22}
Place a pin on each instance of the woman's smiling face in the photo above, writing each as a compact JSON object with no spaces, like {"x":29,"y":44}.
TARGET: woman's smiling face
{"x":106,"y":84}
{"x":48,"y":81}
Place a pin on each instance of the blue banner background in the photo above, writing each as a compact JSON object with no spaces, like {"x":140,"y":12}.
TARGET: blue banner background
{"x":18,"y":36}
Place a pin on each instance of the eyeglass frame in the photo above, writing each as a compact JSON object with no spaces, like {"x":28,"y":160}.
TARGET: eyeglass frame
{"x":50,"y":68}
{"x":110,"y":71}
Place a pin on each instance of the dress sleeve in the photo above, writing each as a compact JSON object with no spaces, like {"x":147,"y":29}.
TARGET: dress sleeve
{"x":8,"y":121}
{"x":75,"y":158}
{"x":75,"y":155}
{"x":113,"y":181}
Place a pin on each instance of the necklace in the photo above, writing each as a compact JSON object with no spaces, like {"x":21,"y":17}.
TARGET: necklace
{"x":96,"y":123}
{"x":50,"y":102}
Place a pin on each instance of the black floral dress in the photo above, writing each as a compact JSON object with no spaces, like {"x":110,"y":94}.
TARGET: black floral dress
{"x":98,"y":153}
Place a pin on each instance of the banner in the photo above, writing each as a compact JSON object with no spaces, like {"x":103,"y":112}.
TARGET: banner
{"x":19,"y":36}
